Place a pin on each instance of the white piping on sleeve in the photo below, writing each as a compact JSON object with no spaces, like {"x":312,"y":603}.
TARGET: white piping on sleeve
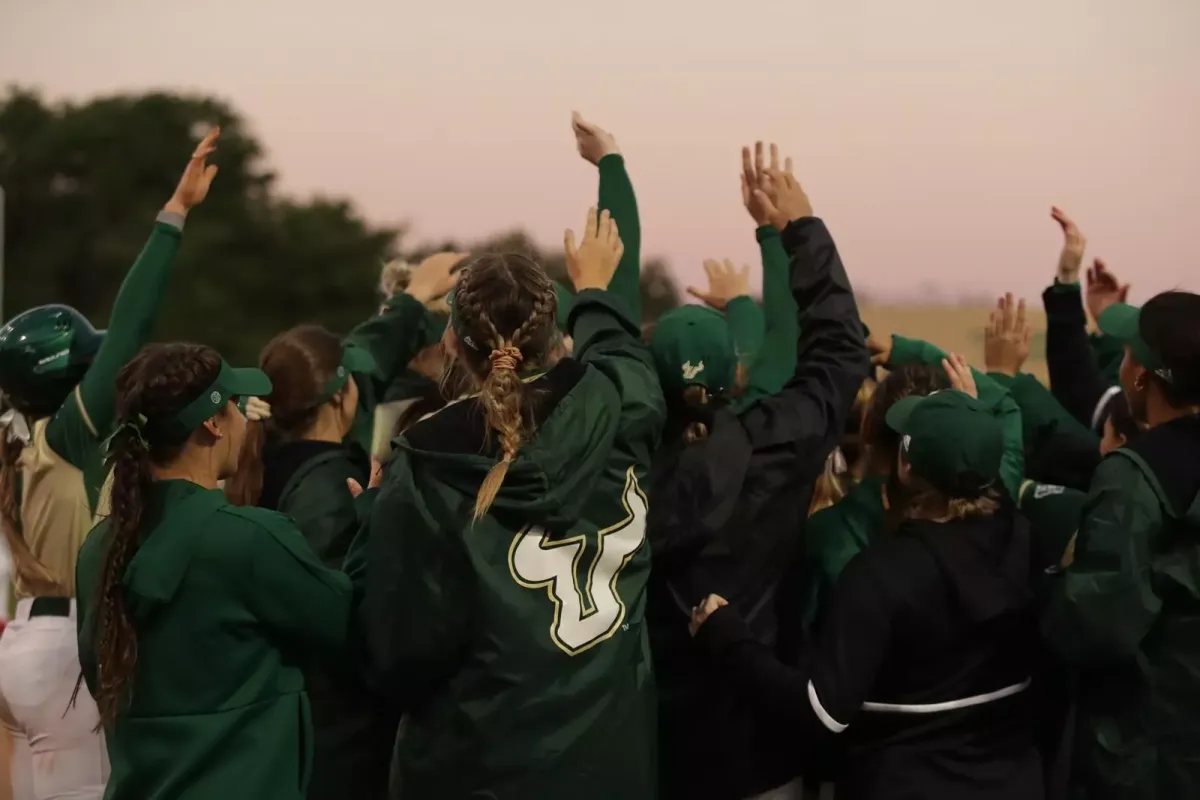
{"x":823,"y":715}
{"x":1105,"y":399}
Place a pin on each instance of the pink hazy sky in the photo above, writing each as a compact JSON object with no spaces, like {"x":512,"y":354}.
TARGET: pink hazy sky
{"x":932,"y":135}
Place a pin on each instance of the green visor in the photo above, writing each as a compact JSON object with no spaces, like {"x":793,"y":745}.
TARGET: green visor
{"x":1121,"y":322}
{"x":354,"y":360}
{"x":693,"y":346}
{"x":231,"y":384}
{"x":950,"y":439}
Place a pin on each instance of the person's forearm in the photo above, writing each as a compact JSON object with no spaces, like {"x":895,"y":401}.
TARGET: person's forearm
{"x":616,"y":195}
{"x":131,"y":323}
{"x":1075,"y":378}
{"x":777,"y":356}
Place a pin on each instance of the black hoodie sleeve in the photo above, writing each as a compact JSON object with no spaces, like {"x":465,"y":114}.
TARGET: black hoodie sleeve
{"x":1075,"y":376}
{"x":791,"y":433}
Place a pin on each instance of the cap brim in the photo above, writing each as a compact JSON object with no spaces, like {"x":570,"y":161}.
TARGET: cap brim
{"x":358,"y":360}
{"x":247,"y":382}
{"x":898,"y":415}
{"x":1120,"y":321}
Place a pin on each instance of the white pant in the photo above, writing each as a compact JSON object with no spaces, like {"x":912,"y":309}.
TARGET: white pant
{"x":57,"y":755}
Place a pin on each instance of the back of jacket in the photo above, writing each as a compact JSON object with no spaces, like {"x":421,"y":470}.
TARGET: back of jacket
{"x":925,"y":661}
{"x":516,"y":643}
{"x":1126,"y":612}
{"x":222,"y":600}
{"x":725,"y":517}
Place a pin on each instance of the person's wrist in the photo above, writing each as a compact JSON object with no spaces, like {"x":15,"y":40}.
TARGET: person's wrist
{"x":585,"y":283}
{"x":176,"y":206}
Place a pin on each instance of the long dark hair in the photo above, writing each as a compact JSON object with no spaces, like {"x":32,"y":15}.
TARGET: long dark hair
{"x":299,"y":363}
{"x":879,"y":445}
{"x":156,"y":385}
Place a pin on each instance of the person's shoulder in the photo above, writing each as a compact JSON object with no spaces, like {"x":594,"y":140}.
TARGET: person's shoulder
{"x":238,"y":520}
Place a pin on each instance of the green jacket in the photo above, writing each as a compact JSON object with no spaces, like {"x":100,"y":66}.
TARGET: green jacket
{"x":516,"y":643}
{"x":223,"y":598}
{"x":1126,"y":613}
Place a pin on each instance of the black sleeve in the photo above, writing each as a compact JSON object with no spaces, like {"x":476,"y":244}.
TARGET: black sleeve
{"x":791,"y":433}
{"x":826,"y":694}
{"x":1075,"y":376}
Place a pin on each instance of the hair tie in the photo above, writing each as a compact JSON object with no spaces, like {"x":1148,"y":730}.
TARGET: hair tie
{"x":257,"y":409}
{"x":133,"y":430}
{"x":15,"y":426}
{"x":505,"y":357}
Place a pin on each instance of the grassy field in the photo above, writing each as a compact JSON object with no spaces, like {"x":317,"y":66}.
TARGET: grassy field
{"x":953,"y":328}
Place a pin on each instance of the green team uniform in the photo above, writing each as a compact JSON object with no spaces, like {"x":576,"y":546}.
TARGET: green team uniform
{"x":516,"y":643}
{"x":222,"y":598}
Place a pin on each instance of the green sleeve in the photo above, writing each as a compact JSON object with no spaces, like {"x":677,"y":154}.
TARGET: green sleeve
{"x":393,"y":338}
{"x":87,"y":574}
{"x":746,"y":323}
{"x":321,"y":506}
{"x":1012,"y":468}
{"x":412,"y":589}
{"x":776,"y":359}
{"x":830,"y":544}
{"x":607,"y":338}
{"x":616,"y":194}
{"x":1041,"y":413}
{"x":87,"y":416}
{"x":1101,"y":607}
{"x":292,"y":594}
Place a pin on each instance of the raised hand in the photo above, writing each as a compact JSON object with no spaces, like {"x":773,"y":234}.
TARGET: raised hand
{"x":754,"y":176}
{"x":1008,"y":337}
{"x":1074,"y":243}
{"x":1103,"y":289}
{"x":434,"y":277}
{"x":781,"y":195}
{"x":593,"y":262}
{"x":197,"y":177}
{"x":594,"y":142}
{"x":725,"y":282}
{"x":960,"y":374}
{"x":702,"y":612}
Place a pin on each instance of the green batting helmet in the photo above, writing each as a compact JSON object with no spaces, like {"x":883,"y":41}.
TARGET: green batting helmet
{"x":44,"y":353}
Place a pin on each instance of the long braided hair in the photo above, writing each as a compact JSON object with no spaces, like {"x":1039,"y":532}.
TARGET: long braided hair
{"x":158,"y":383}
{"x":505,"y":306}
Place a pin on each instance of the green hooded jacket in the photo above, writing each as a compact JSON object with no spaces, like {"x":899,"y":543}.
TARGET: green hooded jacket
{"x":516,"y":643}
{"x":224,"y":600}
{"x":1126,"y":613}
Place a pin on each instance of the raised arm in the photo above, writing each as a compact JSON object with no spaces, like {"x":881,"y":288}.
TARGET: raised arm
{"x":598,"y":147}
{"x":775,"y":359}
{"x":86,"y":418}
{"x":804,"y":421}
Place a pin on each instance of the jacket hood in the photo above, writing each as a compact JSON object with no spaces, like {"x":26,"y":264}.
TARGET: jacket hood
{"x":986,"y":561}
{"x":573,"y":413}
{"x":1169,"y":457}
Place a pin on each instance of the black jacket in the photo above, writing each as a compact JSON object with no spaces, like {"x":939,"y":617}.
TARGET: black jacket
{"x":922,"y":665}
{"x":725,"y":516}
{"x":1077,"y":377}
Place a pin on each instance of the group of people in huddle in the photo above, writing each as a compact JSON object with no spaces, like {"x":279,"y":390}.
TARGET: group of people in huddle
{"x":506,"y":539}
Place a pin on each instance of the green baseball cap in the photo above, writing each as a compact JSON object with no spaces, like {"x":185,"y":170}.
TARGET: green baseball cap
{"x":1054,"y":513}
{"x":1121,"y":321}
{"x":230,"y":383}
{"x":693,"y":346}
{"x":950,"y":439}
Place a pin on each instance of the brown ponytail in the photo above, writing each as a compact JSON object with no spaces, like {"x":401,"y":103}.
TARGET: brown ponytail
{"x":157,"y":384}
{"x":506,"y":305}
{"x":29,"y":572}
{"x":299,"y":363}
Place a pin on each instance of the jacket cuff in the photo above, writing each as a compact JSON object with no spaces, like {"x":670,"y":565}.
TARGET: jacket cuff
{"x":590,"y":300}
{"x":764,"y":232}
{"x":798,"y":230}
{"x":724,"y":629}
{"x":172,"y":218}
